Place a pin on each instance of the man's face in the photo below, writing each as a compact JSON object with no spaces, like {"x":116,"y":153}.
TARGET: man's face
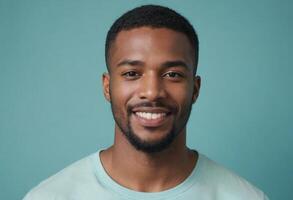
{"x":151,"y":86}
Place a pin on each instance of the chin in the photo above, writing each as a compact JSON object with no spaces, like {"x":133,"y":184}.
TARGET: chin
{"x":150,"y":144}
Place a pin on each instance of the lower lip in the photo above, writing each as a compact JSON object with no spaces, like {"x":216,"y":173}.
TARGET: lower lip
{"x":150,"y":122}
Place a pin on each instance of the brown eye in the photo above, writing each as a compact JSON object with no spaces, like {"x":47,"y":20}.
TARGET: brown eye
{"x":130,"y":74}
{"x":173,"y":75}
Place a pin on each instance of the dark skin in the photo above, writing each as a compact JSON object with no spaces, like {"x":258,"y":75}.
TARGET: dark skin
{"x":150,"y":65}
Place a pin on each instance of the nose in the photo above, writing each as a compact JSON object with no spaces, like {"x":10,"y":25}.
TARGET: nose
{"x":151,"y":87}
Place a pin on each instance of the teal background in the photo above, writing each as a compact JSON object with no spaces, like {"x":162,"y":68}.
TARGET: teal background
{"x":52,"y":110}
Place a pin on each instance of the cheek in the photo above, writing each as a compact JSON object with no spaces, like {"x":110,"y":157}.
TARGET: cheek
{"x":181,"y":94}
{"x":121,"y":93}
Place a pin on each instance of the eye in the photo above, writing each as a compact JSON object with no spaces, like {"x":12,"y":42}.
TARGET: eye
{"x":130,"y":74}
{"x":173,"y":75}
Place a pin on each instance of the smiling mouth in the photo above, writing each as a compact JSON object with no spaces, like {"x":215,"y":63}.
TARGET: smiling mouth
{"x":150,"y":116}
{"x":151,"y":119}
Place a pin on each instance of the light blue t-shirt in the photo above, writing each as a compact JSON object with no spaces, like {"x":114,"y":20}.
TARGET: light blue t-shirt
{"x":86,"y":179}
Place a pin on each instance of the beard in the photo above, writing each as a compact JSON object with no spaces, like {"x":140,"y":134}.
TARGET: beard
{"x":139,"y":144}
{"x":148,"y":146}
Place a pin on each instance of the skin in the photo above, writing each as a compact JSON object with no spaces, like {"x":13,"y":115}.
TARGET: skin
{"x":153,"y":66}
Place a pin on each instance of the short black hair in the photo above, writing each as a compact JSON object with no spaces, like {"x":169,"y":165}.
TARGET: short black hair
{"x":153,"y":16}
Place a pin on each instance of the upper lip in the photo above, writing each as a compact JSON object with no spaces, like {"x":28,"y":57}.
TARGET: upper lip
{"x":152,"y":110}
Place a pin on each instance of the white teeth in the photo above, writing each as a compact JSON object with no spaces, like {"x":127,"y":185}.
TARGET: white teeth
{"x":148,"y":115}
{"x":155,"y":116}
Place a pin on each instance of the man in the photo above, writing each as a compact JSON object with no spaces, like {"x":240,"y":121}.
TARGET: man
{"x":151,"y":84}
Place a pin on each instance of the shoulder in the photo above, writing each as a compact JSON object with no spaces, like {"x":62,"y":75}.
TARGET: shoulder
{"x":227,"y":184}
{"x":78,"y":174}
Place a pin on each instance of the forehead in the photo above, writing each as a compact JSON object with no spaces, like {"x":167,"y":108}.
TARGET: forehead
{"x":151,"y":44}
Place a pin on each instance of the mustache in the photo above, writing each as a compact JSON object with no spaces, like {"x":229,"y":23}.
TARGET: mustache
{"x":149,"y":104}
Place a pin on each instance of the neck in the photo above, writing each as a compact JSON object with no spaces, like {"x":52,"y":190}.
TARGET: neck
{"x":148,"y":172}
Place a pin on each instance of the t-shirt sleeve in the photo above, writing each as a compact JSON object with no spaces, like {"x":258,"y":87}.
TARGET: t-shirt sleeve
{"x":37,"y":196}
{"x":27,"y":197}
{"x":266,"y":197}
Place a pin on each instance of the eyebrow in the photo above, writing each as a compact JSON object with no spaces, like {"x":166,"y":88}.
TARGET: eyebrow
{"x":175,"y":63}
{"x":167,"y":64}
{"x":130,"y":62}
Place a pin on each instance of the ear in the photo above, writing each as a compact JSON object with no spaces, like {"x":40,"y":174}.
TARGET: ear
{"x":196,"y":85}
{"x":106,"y":86}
